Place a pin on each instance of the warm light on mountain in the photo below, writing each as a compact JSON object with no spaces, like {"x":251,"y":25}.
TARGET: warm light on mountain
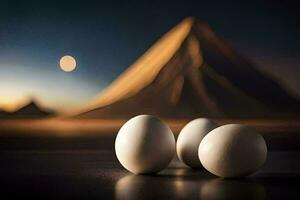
{"x":192,"y":72}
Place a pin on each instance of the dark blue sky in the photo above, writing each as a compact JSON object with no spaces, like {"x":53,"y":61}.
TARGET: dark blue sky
{"x":106,"y":37}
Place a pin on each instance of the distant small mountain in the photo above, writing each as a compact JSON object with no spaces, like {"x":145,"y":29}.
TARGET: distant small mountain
{"x":30,"y":110}
{"x":191,"y":72}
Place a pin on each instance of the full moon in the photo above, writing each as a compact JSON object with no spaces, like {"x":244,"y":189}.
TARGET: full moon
{"x":67,"y":63}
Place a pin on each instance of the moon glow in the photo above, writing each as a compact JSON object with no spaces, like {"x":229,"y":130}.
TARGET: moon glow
{"x":67,"y":63}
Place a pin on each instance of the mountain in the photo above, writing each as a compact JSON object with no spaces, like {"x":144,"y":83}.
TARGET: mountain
{"x":191,"y":72}
{"x":30,"y":110}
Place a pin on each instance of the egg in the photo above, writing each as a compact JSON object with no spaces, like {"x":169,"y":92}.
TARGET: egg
{"x":144,"y":145}
{"x":232,"y":150}
{"x":189,"y":139}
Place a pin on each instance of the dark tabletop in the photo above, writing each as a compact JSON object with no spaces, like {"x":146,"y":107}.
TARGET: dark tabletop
{"x":96,"y":173}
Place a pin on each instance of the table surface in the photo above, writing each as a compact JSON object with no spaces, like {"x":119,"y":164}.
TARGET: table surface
{"x":84,"y":174}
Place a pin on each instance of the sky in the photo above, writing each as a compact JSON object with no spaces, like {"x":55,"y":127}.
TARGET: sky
{"x":106,"y":37}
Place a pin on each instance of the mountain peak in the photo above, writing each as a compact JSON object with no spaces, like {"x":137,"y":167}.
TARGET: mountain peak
{"x":189,"y":20}
{"x":31,"y":109}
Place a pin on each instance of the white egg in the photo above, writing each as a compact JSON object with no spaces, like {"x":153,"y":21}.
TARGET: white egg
{"x":189,"y":139}
{"x":232,"y":151}
{"x":145,"y":144}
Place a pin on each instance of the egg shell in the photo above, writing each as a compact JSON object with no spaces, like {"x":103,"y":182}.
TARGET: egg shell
{"x":232,"y":150}
{"x":189,"y":139}
{"x":145,"y":144}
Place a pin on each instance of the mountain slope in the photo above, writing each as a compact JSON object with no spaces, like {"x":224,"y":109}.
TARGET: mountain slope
{"x":191,"y":72}
{"x":30,"y":110}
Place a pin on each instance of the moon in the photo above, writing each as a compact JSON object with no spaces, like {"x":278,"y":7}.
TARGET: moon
{"x":67,"y":63}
